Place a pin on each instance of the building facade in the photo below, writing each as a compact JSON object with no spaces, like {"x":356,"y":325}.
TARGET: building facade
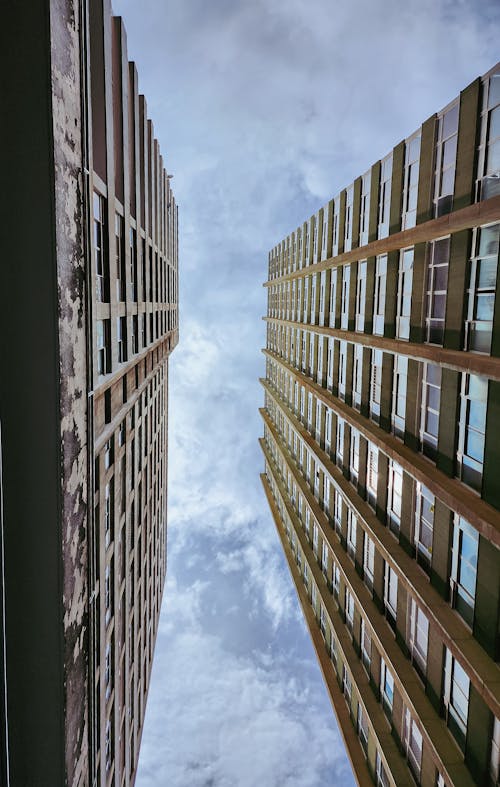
{"x":381,"y":446}
{"x":89,"y":319}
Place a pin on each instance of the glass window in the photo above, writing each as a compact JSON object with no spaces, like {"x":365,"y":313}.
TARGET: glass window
{"x":364,"y":209}
{"x":386,"y":688}
{"x":361,"y":296}
{"x":431,"y":396}
{"x":395,"y":491}
{"x":103,"y":337}
{"x":354,"y":461}
{"x":464,"y":568}
{"x":375,"y":385}
{"x":472,"y":428}
{"x":384,"y":200}
{"x":119,"y":258}
{"x":446,"y":156}
{"x":342,"y":369}
{"x":481,"y":291}
{"x":412,"y":738}
{"x":436,"y":288}
{"x":346,"y":684}
{"x":410,"y":186}
{"x":424,"y":525}
{"x":344,"y":308}
{"x":348,"y":218}
{"x":324,"y":558}
{"x":100,"y":249}
{"x":357,"y":376}
{"x":491,"y":181}
{"x":337,"y":511}
{"x":405,"y":280}
{"x":372,"y":475}
{"x":349,"y":609}
{"x":368,"y":561}
{"x":399,"y":394}
{"x":418,"y":636}
{"x":322,"y":620}
{"x":379,"y":294}
{"x":456,"y":698}
{"x":351,"y":533}
{"x":333,"y":296}
{"x":381,"y":778}
{"x":362,"y":727}
{"x":340,"y":441}
{"x":390,"y":593}
{"x":366,"y":645}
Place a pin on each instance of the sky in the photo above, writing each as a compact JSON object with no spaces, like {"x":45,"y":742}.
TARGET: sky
{"x":264,"y":110}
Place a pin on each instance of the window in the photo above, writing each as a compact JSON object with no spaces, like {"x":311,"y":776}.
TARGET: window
{"x":364,"y":215}
{"x":386,"y":688}
{"x":121,"y":335}
{"x":322,"y":295}
{"x":412,"y":738}
{"x":410,"y":187}
{"x":405,"y":280}
{"x":472,"y":426}
{"x":424,"y":525}
{"x":109,"y":512}
{"x":330,"y":364}
{"x":120,"y":258}
{"x":362,"y":727}
{"x":108,"y":746}
{"x":357,"y":376}
{"x":399,"y":394}
{"x":431,"y":396}
{"x":418,"y":636}
{"x":351,"y":533}
{"x":108,"y":668}
{"x":495,"y":753}
{"x":491,"y":183}
{"x":464,"y":568}
{"x":379,"y":295}
{"x":314,"y":596}
{"x":349,"y":609}
{"x":354,"y":459}
{"x":436,"y":287}
{"x":324,"y":558}
{"x":456,"y":698}
{"x":446,"y":157}
{"x":336,"y":581}
{"x":306,"y":575}
{"x":308,"y":521}
{"x":375,"y":385}
{"x":333,"y":296}
{"x":390,"y":594}
{"x":133,"y":264}
{"x":381,"y":778}
{"x":322,"y":620}
{"x":344,"y":306}
{"x":315,"y":538}
{"x":107,"y":594}
{"x":337,"y":511}
{"x":394,"y":495}
{"x":368,"y":561}
{"x":481,"y":291}
{"x":103,"y":335}
{"x":342,"y":369}
{"x":333,"y":648}
{"x":108,"y":453}
{"x":328,"y":430}
{"x":372,"y":475}
{"x":340,"y":442}
{"x":384,"y":199}
{"x":100,"y":250}
{"x":361,"y":296}
{"x":346,"y":685}
{"x":366,"y":646}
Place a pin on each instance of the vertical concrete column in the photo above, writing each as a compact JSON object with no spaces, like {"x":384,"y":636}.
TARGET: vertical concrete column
{"x":468,"y":137}
{"x":347,"y":451}
{"x":386,"y":394}
{"x":336,"y":356}
{"x":370,"y":293}
{"x":374,"y":198}
{"x":391,"y":294}
{"x":477,"y":746}
{"x":343,"y":526}
{"x":407,"y":513}
{"x":486,"y":613}
{"x":457,"y":282}
{"x":419,"y":284}
{"x":398,"y":155}
{"x":378,"y":580}
{"x":426,"y":170}
{"x":491,"y":487}
{"x":435,"y":663}
{"x":363,"y":459}
{"x":338,"y":294}
{"x":358,"y":557}
{"x":397,"y":715}
{"x":402,"y":617}
{"x":412,"y":420}
{"x":448,"y":419}
{"x":441,"y":548}
{"x":382,"y":485}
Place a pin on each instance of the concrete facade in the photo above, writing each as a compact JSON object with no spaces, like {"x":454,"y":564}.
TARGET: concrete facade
{"x":88,"y":292}
{"x":381,"y":424}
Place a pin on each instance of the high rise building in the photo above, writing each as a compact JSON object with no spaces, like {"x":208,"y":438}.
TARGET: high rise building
{"x":88,"y":287}
{"x":381,"y":445}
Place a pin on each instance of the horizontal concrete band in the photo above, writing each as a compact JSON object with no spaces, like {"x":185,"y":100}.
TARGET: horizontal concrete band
{"x":376,"y":719}
{"x":452,"y":492}
{"x":472,"y":216}
{"x":483,"y":671}
{"x":445,"y":754}
{"x":458,"y":360}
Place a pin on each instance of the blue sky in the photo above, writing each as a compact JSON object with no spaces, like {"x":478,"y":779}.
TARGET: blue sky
{"x":264,"y":109}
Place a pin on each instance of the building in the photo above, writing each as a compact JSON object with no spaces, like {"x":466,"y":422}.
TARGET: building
{"x":88,"y":288}
{"x":381,"y":446}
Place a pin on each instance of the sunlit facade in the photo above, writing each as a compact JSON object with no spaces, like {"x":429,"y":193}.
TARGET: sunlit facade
{"x":381,"y":446}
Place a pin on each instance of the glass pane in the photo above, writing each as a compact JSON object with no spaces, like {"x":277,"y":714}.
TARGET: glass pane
{"x":432,"y":423}
{"x":441,"y":277}
{"x":494,"y":91}
{"x":493,"y":157}
{"x":436,"y":332}
{"x":450,"y":122}
{"x":449,"y":152}
{"x":485,"y":305}
{"x":475,"y":445}
{"x":480,"y":337}
{"x":414,"y":149}
{"x":494,"y":123}
{"x":447,"y":181}
{"x":488,"y":243}
{"x":441,"y":251}
{"x":478,"y":388}
{"x":438,"y":306}
{"x":487,"y":274}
